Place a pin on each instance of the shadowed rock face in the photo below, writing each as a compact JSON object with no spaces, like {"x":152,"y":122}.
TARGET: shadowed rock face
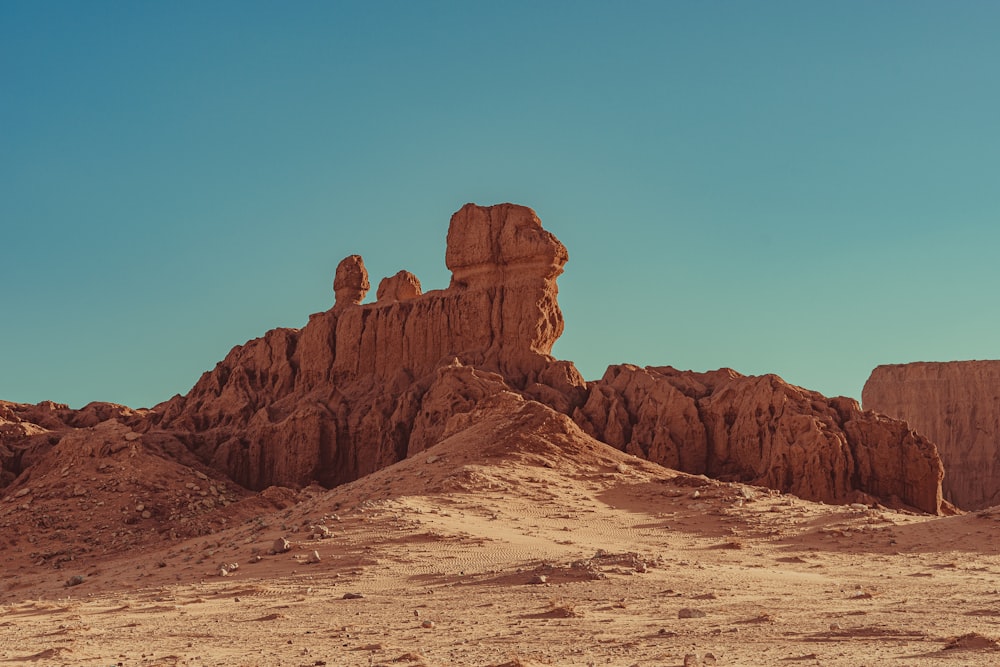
{"x":957,"y":405}
{"x":362,"y":386}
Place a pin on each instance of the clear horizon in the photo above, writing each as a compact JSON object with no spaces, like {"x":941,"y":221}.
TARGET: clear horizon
{"x":795,"y":188}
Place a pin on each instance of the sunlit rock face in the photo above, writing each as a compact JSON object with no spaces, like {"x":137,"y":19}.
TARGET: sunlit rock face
{"x":764,"y":431}
{"x":956,"y":405}
{"x":363,"y":386}
{"x":355,"y":389}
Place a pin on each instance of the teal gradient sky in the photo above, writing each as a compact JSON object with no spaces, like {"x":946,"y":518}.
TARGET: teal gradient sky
{"x":804,"y":188}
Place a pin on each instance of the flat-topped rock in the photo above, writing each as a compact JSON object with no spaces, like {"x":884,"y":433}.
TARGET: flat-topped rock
{"x":956,"y":404}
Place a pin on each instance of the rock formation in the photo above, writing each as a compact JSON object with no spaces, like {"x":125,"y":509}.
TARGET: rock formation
{"x":763,"y":431}
{"x":355,"y":389}
{"x":28,"y":432}
{"x":363,"y":386}
{"x":350,"y":282}
{"x":957,"y":405}
{"x":401,"y":287}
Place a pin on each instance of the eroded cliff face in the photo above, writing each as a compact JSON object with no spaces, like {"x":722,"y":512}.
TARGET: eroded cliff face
{"x":363,"y":386}
{"x":357,"y":388}
{"x":957,"y":406}
{"x":763,"y":431}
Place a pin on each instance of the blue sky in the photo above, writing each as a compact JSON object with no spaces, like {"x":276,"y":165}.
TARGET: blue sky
{"x":803,"y":188}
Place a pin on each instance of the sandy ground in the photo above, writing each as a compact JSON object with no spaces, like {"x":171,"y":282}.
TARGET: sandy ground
{"x":533,"y":555}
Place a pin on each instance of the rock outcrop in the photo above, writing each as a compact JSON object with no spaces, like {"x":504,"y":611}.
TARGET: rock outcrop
{"x":401,"y":287}
{"x":957,"y":406}
{"x":101,"y":487}
{"x":28,"y":432}
{"x":356,"y":388}
{"x":350,"y":282}
{"x":763,"y":431}
{"x":363,"y":386}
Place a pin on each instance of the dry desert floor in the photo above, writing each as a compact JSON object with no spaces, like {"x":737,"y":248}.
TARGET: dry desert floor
{"x":527,"y":555}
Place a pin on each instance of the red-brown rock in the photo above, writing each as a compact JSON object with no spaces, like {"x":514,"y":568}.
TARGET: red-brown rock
{"x":361,"y":386}
{"x":401,"y":287}
{"x":763,"y":431}
{"x":28,"y":432}
{"x":957,"y":406}
{"x":350,"y":283}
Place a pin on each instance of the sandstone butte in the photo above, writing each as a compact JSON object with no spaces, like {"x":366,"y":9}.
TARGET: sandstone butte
{"x":362,"y":386}
{"x":957,"y":405}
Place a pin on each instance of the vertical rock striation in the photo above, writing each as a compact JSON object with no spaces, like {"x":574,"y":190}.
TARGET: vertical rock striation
{"x":956,"y":405}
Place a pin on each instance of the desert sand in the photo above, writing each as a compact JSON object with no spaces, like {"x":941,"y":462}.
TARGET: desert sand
{"x":521,"y":541}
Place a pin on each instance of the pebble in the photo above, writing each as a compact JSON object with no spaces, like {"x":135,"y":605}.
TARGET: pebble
{"x":353,"y":596}
{"x":539,"y":579}
{"x":427,"y":624}
{"x":313,"y":557}
{"x":281,"y":545}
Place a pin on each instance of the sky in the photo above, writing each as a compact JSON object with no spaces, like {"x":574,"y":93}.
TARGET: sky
{"x":801,"y":188}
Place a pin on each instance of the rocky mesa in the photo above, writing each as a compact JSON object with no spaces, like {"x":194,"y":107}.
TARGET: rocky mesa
{"x":365,"y":385}
{"x":957,"y":405}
